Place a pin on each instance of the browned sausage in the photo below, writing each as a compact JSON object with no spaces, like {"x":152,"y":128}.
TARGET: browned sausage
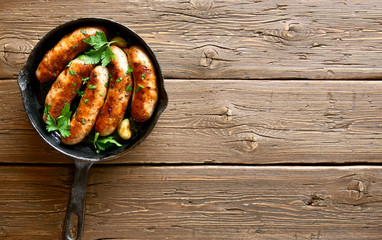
{"x":63,"y":52}
{"x":118,"y":94}
{"x":64,"y":89}
{"x":145,"y":94}
{"x":84,"y":118}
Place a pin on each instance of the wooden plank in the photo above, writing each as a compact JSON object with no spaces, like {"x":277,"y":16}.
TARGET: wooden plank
{"x":220,"y":39}
{"x":197,"y":202}
{"x":222,"y":121}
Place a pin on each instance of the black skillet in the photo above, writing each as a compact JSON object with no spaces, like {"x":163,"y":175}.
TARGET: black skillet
{"x":84,"y":155}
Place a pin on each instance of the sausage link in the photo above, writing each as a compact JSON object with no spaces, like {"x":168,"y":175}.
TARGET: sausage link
{"x":84,"y":118}
{"x":118,"y":94}
{"x":64,"y":89}
{"x":64,"y":51}
{"x":145,"y":94}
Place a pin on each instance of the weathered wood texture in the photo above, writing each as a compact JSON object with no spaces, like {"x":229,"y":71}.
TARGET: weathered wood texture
{"x":197,"y":202}
{"x":223,"y":121}
{"x":220,"y":39}
{"x":210,"y":51}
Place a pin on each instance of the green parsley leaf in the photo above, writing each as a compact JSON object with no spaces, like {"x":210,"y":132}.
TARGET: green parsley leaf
{"x":101,"y":144}
{"x":143,"y":76}
{"x":62,"y":123}
{"x":97,"y":41}
{"x":129,"y":71}
{"x":93,"y":56}
{"x":107,"y":55}
{"x":128,"y":88}
{"x":139,"y":88}
{"x":70,"y":63}
{"x":46,"y":109}
{"x":83,"y":121}
{"x":85,"y":80}
{"x":92,"y":86}
{"x":84,"y":32}
{"x":81,"y":93}
{"x":65,"y":113}
{"x":106,"y":84}
{"x":119,"y":79}
{"x":101,"y":50}
{"x":72,"y":72}
{"x":86,"y":100}
{"x":74,"y":84}
{"x":101,"y":94}
{"x":75,"y":46}
{"x":52,"y":124}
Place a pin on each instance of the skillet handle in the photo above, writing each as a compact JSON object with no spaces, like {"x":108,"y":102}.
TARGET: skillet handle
{"x":76,"y":203}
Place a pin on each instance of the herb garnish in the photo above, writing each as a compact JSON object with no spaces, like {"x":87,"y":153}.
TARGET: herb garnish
{"x":92,"y":86}
{"x":143,"y":76}
{"x":84,"y":32}
{"x":70,"y":63}
{"x":102,"y":144}
{"x":85,"y":80}
{"x":132,"y":125}
{"x":139,"y":88}
{"x":72,"y":72}
{"x":101,"y":51}
{"x":119,"y":79}
{"x":86,"y":100}
{"x":83,"y":121}
{"x":62,"y":123}
{"x":128,"y":88}
{"x":128,"y":71}
{"x":81,"y":93}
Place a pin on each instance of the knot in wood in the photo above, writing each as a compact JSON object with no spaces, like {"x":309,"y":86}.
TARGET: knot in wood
{"x":208,"y":58}
{"x":202,"y":5}
{"x":315,"y":201}
{"x":291,"y":32}
{"x":358,"y":185}
{"x":249,"y":142}
{"x":228,"y":113}
{"x":356,"y":193}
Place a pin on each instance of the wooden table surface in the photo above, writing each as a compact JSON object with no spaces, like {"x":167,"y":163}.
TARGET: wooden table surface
{"x":273,"y":128}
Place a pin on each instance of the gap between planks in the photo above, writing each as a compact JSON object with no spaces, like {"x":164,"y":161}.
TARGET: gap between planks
{"x":210,"y":165}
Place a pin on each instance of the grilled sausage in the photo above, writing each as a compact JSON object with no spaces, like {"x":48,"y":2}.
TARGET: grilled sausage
{"x":84,"y":118}
{"x":145,"y":94}
{"x":118,"y":94}
{"x":63,"y":52}
{"x":64,"y":89}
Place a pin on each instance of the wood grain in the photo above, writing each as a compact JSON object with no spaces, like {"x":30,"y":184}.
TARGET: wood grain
{"x":197,"y":202}
{"x":210,"y":52}
{"x":204,"y":39}
{"x":243,"y":122}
